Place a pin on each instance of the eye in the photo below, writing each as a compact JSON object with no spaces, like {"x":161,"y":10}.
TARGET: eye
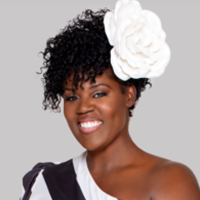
{"x":69,"y":98}
{"x":101,"y":94}
{"x":72,"y":98}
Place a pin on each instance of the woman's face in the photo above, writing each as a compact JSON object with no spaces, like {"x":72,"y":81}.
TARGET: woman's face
{"x":102,"y":101}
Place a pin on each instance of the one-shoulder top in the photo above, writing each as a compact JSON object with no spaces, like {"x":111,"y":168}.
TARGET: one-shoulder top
{"x":70,"y":180}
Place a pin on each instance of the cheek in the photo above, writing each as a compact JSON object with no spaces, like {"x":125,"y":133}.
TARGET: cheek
{"x":113,"y":108}
{"x":113,"y":112}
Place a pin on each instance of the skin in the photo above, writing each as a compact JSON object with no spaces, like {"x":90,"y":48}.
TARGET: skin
{"x":118,"y":166}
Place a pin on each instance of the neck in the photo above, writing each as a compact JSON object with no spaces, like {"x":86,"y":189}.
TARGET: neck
{"x":121,"y":152}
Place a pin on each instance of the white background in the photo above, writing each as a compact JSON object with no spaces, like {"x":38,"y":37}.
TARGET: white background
{"x":166,"y":120}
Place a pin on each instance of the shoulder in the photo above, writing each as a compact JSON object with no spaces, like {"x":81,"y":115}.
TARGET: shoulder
{"x":174,"y":180}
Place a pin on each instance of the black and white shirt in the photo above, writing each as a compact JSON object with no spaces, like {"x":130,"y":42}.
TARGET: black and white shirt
{"x":70,"y":180}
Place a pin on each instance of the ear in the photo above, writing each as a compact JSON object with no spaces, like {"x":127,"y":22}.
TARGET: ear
{"x":131,"y":95}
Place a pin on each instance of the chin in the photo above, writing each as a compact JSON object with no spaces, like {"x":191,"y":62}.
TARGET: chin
{"x":92,"y":142}
{"x":91,"y":146}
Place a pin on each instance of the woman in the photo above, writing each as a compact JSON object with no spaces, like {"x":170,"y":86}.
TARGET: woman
{"x":99,"y":64}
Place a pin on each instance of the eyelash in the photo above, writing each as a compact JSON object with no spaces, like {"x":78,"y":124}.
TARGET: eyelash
{"x":102,"y":93}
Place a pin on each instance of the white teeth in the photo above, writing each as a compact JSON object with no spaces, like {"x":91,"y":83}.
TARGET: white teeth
{"x":90,"y":124}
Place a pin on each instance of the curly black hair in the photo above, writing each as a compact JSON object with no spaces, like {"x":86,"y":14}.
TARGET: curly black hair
{"x":81,"y":48}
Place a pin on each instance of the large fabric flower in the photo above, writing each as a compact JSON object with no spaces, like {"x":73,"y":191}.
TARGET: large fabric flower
{"x":138,"y":40}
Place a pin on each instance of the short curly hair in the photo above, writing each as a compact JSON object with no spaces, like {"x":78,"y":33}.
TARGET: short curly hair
{"x":82,"y":48}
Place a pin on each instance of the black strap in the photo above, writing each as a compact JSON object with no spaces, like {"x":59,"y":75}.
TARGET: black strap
{"x":61,"y":182}
{"x":30,"y":177}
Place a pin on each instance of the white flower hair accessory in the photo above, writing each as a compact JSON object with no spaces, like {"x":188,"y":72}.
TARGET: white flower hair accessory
{"x":138,"y":40}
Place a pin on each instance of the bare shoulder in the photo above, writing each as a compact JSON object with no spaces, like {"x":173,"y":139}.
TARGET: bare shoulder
{"x":173,"y":181}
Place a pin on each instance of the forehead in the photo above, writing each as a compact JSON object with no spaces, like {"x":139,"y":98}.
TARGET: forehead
{"x":104,"y":78}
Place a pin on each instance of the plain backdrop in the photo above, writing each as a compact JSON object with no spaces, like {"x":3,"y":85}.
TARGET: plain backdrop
{"x":166,"y":119}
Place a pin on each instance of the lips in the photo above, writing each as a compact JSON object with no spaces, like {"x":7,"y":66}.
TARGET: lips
{"x":87,"y":119}
{"x":89,"y":130}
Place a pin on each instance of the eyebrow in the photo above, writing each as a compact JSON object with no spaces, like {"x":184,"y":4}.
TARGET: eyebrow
{"x":91,"y":87}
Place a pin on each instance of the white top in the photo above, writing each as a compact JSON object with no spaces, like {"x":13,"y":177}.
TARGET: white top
{"x":67,"y":180}
{"x":88,"y":186}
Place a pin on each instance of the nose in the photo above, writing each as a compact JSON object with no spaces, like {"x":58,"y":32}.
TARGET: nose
{"x":85,"y":105}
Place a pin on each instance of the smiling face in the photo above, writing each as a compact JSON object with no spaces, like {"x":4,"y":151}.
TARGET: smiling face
{"x":102,"y":100}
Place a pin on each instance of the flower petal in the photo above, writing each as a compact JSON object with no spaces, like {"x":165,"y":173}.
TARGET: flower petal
{"x":133,"y":72}
{"x":163,"y":58}
{"x":163,"y":35}
{"x":126,"y":8}
{"x":116,"y":67}
{"x":153,"y":21}
{"x":154,"y":74}
{"x":151,"y":59}
{"x":110,"y":27}
{"x":147,"y":36}
{"x":156,"y":44}
{"x":144,"y":50}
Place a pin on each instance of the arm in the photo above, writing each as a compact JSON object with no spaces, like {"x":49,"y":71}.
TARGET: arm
{"x":176,"y":182}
